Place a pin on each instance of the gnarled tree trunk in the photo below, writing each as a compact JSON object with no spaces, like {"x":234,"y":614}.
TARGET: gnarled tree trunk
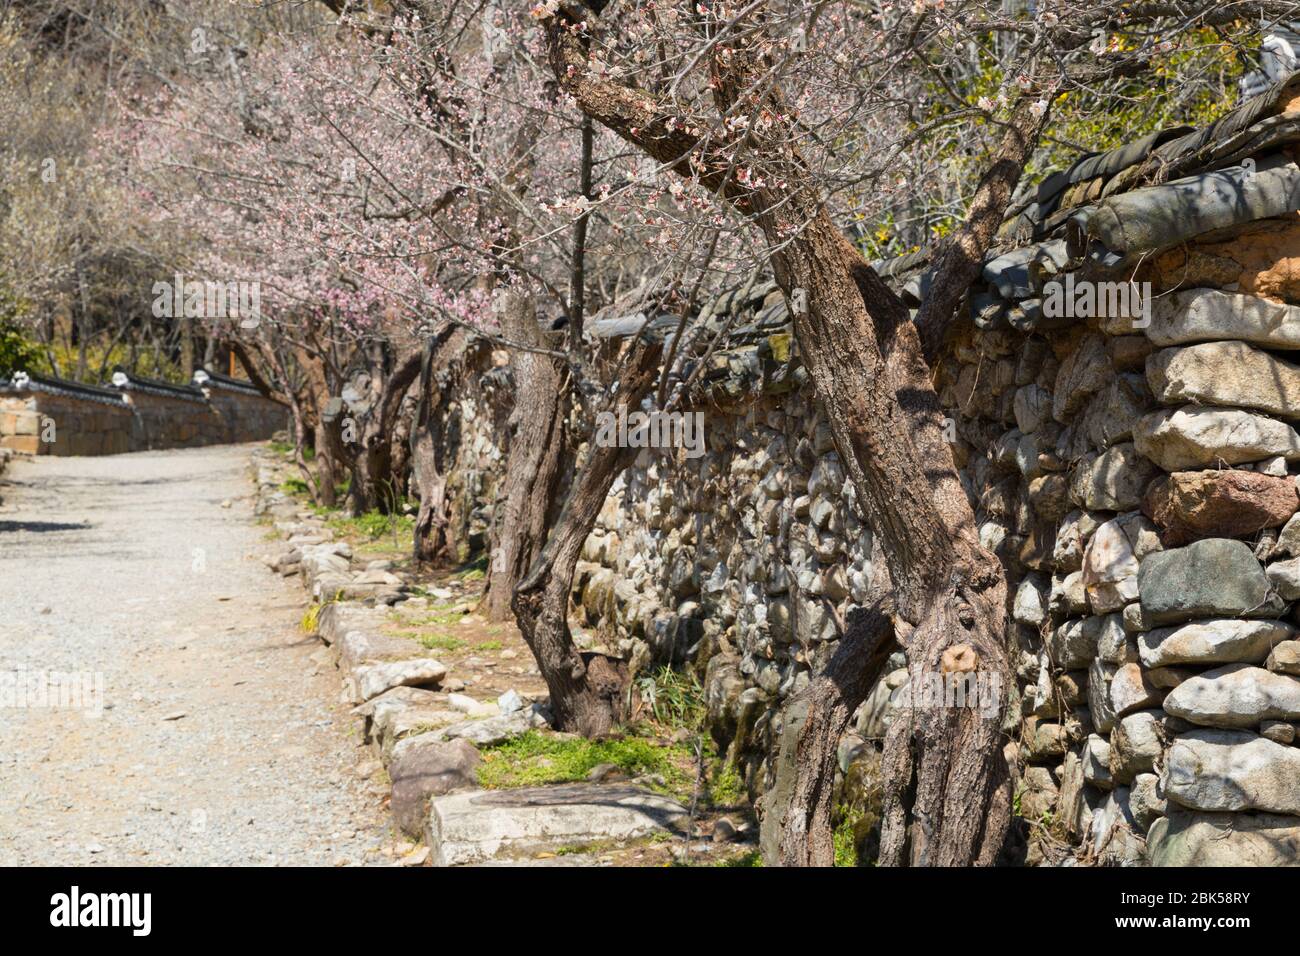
{"x":374,"y":485}
{"x":948,"y":793}
{"x":537,"y":457}
{"x":797,"y":818}
{"x":430,"y":535}
{"x":587,"y":691}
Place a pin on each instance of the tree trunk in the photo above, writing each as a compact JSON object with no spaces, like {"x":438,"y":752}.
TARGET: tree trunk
{"x":864,"y":357}
{"x":328,"y":456}
{"x":537,"y":458}
{"x":187,"y":348}
{"x":430,"y":537}
{"x":587,"y":690}
{"x":300,"y":442}
{"x":374,"y":486}
{"x":400,"y":443}
{"x":431,"y":521}
{"x":798,"y":820}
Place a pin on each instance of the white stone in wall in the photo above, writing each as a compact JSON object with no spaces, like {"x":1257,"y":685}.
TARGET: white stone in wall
{"x":1027,"y":457}
{"x":1224,"y":839}
{"x":1083,"y":372}
{"x":1099,"y":676}
{"x":1147,"y":800}
{"x":1221,"y":641}
{"x":1233,"y":771}
{"x":1071,"y":540}
{"x":1068,"y":596}
{"x":1114,"y":645}
{"x":1074,"y":643}
{"x":1288,"y":539}
{"x":1030,"y":605}
{"x":1113,"y":480}
{"x":1275,"y":466}
{"x":1110,"y":569}
{"x":1204,"y":315}
{"x":1033,"y":408}
{"x":1044,"y":701}
{"x":1113,"y":828}
{"x":1235,"y":696}
{"x":1284,"y":658}
{"x":1136,"y":743}
{"x":826,"y":478}
{"x":1225,"y":373}
{"x":1285,"y":578}
{"x":1115,"y":410}
{"x":1278,"y":731}
{"x":1130,"y":690}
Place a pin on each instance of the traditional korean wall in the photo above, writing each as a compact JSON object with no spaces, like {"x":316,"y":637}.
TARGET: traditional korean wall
{"x":1139,"y":486}
{"x":63,"y":420}
{"x":80,"y":426}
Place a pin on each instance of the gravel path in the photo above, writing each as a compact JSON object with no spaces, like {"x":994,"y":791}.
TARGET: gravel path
{"x":222,"y":738}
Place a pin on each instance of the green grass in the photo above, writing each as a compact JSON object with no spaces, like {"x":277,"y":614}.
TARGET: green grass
{"x":373,"y":525}
{"x":438,"y":616}
{"x":752,"y":858}
{"x":294,"y":486}
{"x":311,"y":619}
{"x":535,"y":758}
{"x":476,"y":570}
{"x":675,"y":698}
{"x":441,"y":642}
{"x":600,"y":846}
{"x":724,"y":787}
{"x":490,"y":646}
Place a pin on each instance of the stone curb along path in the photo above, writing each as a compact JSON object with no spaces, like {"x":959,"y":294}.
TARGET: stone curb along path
{"x":425,"y":736}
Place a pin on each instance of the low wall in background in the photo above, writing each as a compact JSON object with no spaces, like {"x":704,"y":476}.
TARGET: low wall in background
{"x":49,"y":416}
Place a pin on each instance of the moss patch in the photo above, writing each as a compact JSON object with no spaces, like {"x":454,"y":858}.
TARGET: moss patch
{"x":536,"y":758}
{"x":846,"y":844}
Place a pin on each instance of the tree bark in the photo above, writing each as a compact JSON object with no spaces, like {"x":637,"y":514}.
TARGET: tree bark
{"x":537,"y":458}
{"x":864,"y":357}
{"x":587,"y":691}
{"x":328,"y":463}
{"x":802,"y":813}
{"x":430,"y":534}
{"x":374,"y":486}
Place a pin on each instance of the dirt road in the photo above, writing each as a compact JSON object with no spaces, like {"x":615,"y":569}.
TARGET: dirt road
{"x":219,"y":737}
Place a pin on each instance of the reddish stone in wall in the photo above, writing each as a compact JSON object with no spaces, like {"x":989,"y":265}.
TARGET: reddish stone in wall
{"x":1187,"y":505}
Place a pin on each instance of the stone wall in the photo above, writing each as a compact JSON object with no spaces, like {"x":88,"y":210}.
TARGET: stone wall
{"x":44,"y":416}
{"x":81,"y":425}
{"x":1138,"y":485}
{"x":241,"y":416}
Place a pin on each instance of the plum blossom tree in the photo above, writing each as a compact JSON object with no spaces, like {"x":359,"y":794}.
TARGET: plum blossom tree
{"x":384,"y":187}
{"x":796,"y":118}
{"x":304,"y":171}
